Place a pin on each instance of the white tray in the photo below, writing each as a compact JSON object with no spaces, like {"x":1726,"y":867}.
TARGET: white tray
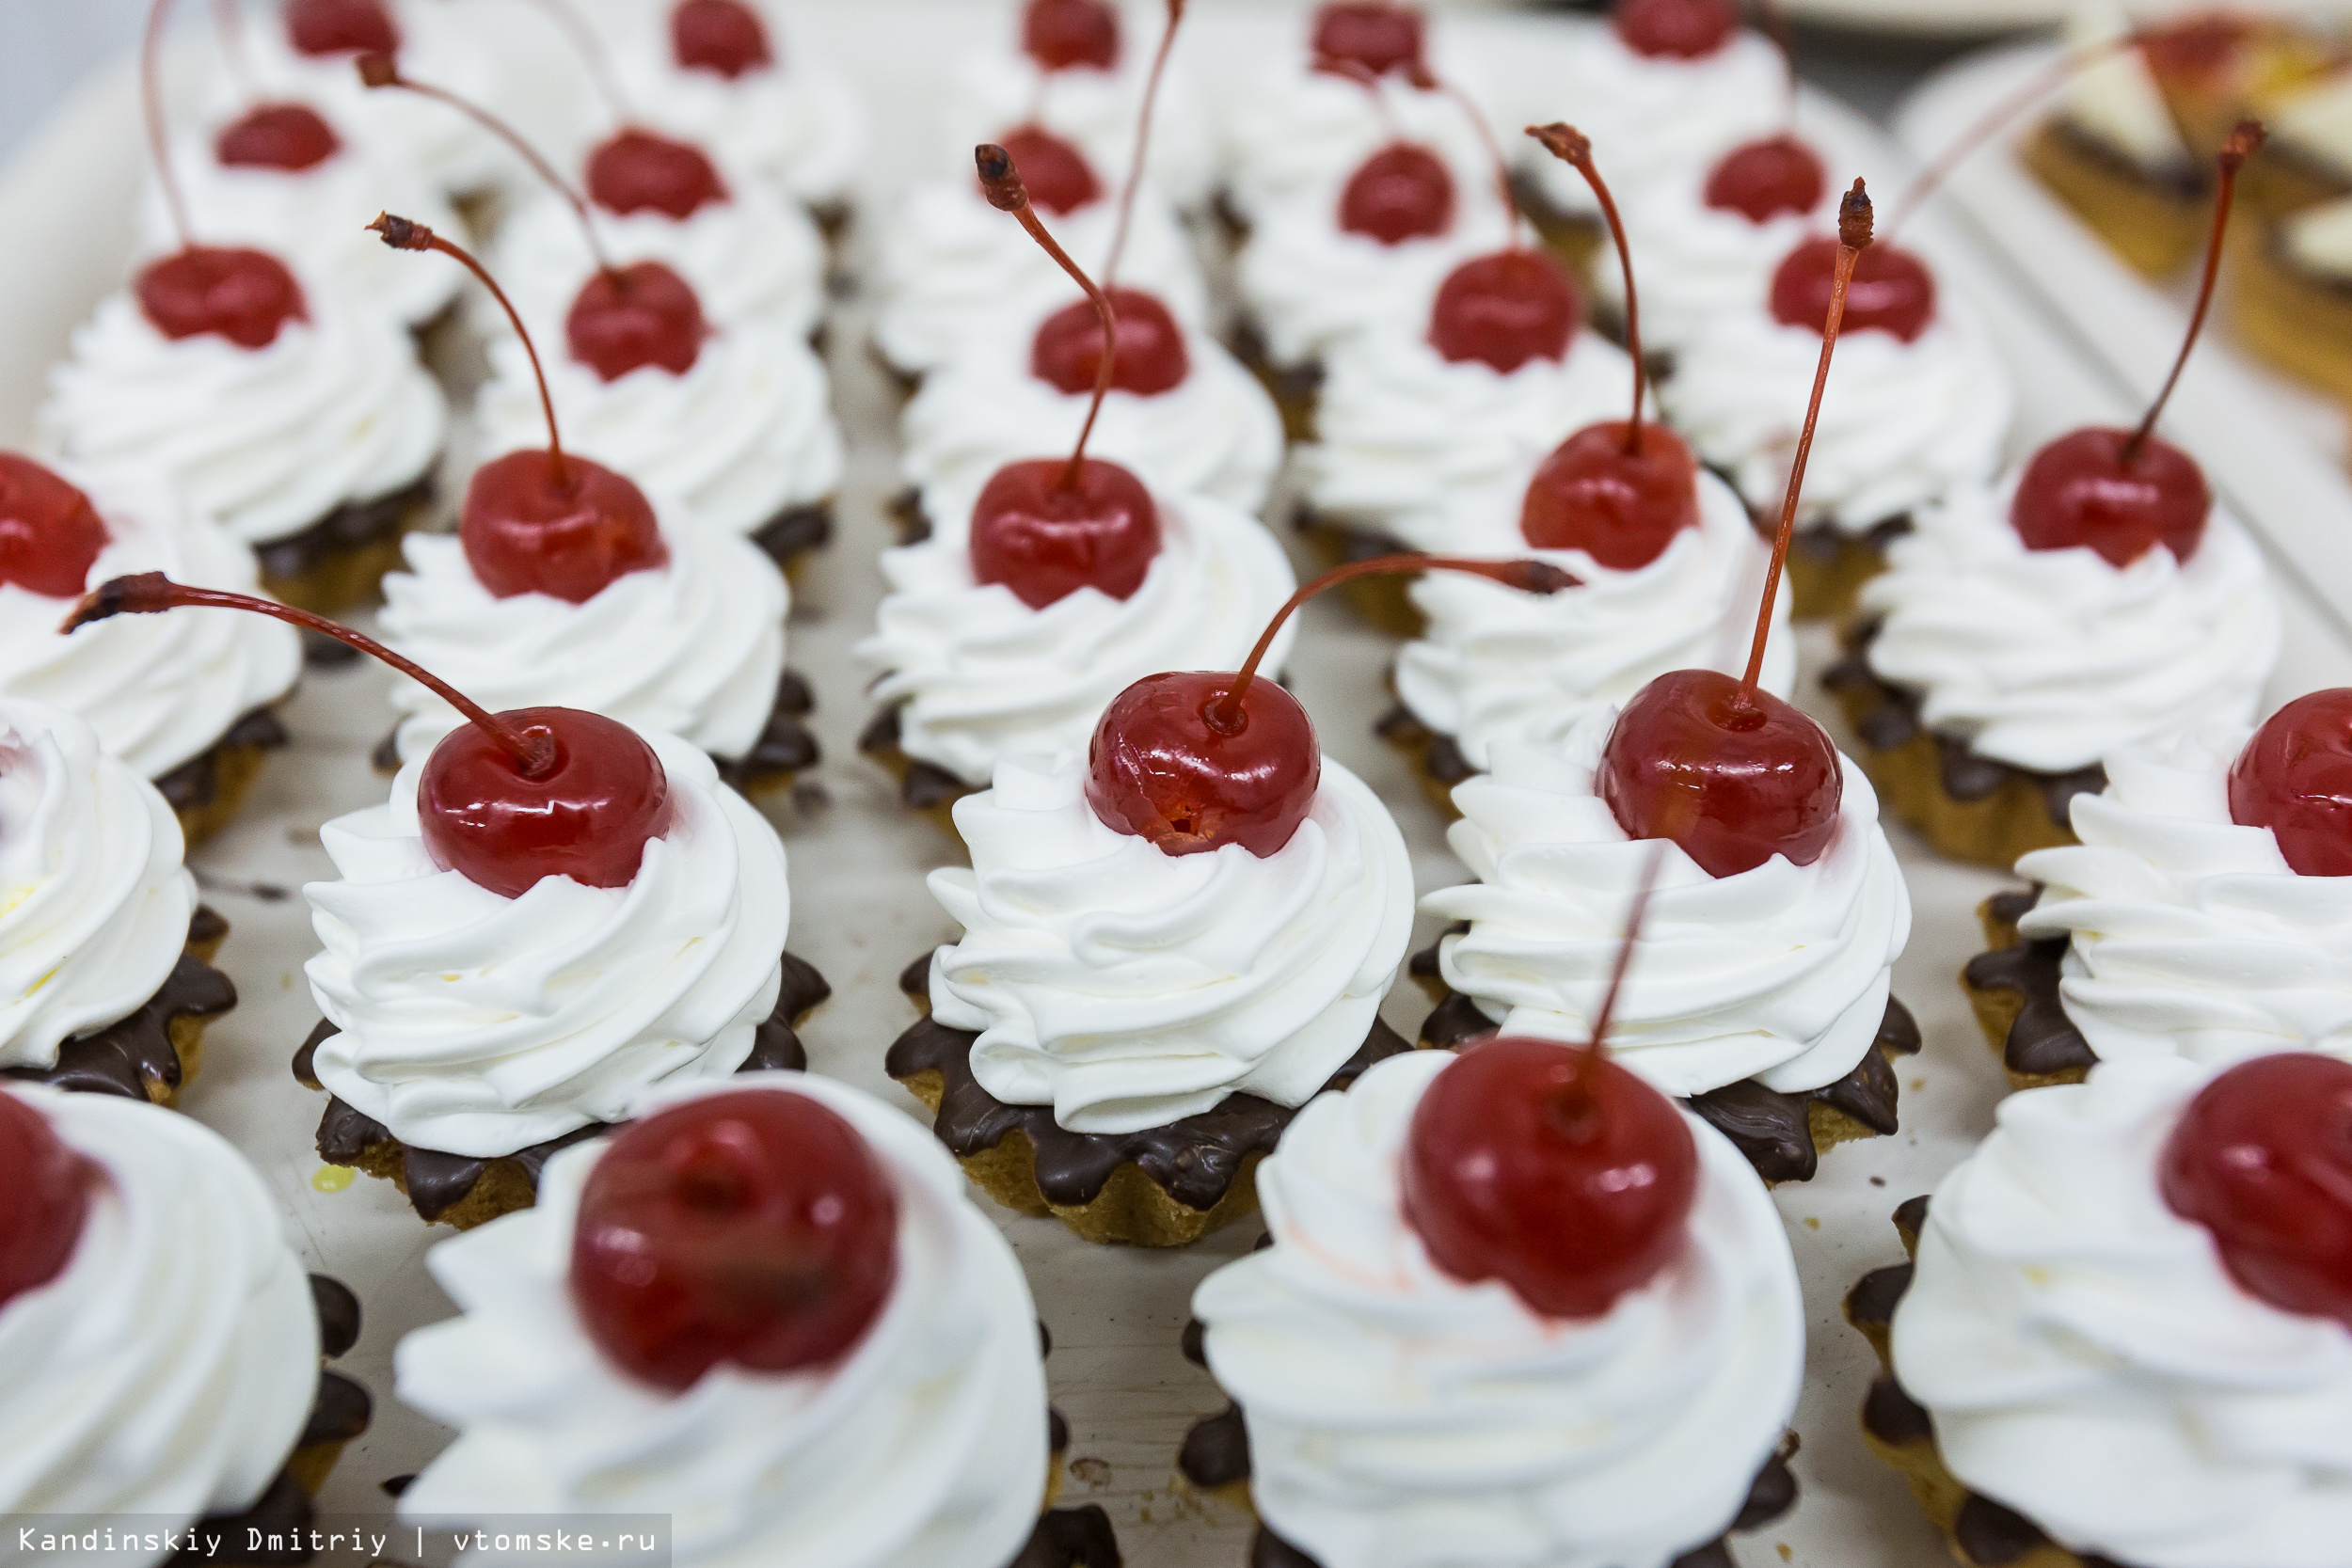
{"x":858,"y":862}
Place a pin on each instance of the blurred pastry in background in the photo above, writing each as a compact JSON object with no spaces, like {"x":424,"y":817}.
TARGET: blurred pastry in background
{"x":2112,"y":151}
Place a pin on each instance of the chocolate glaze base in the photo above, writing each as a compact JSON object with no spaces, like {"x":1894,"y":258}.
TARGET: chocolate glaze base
{"x":1983,"y":1533}
{"x":1381,"y":600}
{"x":205,"y":791}
{"x":149,"y":1055}
{"x":1971,"y":807}
{"x":1200,"y":1163}
{"x":794,"y":532}
{"x":464,"y":1191}
{"x":1436,"y":757}
{"x":1827,"y":566}
{"x":1215,"y":1459}
{"x":338,"y":561}
{"x":2014,"y":989}
{"x":923,"y":786}
{"x":1072,"y":1538}
{"x":1296,"y":389}
{"x":1783,"y":1135}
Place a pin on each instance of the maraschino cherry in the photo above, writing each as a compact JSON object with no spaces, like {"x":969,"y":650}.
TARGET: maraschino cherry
{"x":2262,"y":1159}
{"x":1512,"y":305}
{"x":1196,"y":761}
{"x":1891,"y":291}
{"x":1382,"y":38}
{"x":2123,"y":492}
{"x":623,"y":318}
{"x":2294,"y":777}
{"x":1046,"y":529}
{"x":1675,"y":29}
{"x":1059,"y":179}
{"x":636,"y":169}
{"x":1723,"y":769}
{"x":49,"y":533}
{"x":753,"y":1229}
{"x":725,"y":38}
{"x":1067,"y":35}
{"x":543,"y":522}
{"x":1402,"y":192}
{"x":1761,"y":179}
{"x":506,"y":801}
{"x":322,"y":27}
{"x":1550,"y":1167}
{"x":290,"y":137}
{"x":245,"y":296}
{"x":1620,"y":489}
{"x":44,"y":1199}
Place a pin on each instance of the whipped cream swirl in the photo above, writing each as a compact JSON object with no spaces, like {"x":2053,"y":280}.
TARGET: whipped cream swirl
{"x":924,"y":1447}
{"x":474,"y":1023}
{"x":94,"y":904}
{"x":952,"y":271}
{"x":2191,"y":935}
{"x":1779,"y":973}
{"x":1216,"y":433}
{"x":1400,"y":1418}
{"x":978,"y":677}
{"x":270,"y":441}
{"x":752,"y":258}
{"x":2090,"y":1363}
{"x":2050,"y":659}
{"x":1128,"y":987}
{"x":1902,"y":423}
{"x":169,"y":1369}
{"x":693,"y":649}
{"x":1437,"y":452}
{"x":1698,"y":263}
{"x":1497,"y":665}
{"x":159,"y":689}
{"x":747,"y":432}
{"x":797,"y":125}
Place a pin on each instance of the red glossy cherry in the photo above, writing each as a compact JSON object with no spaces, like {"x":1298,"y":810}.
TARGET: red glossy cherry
{"x":1734,"y":782}
{"x":1402,"y":192}
{"x":637,"y":172}
{"x":1551,"y":1168}
{"x":49,"y":533}
{"x":527,"y":530}
{"x":1675,"y":29}
{"x":44,"y":1199}
{"x":243,"y":296}
{"x":1063,"y":35}
{"x":1161,"y":768}
{"x":634,"y":316}
{"x":317,"y":27}
{"x":588,"y":815}
{"x":2262,"y":1159}
{"x":1045,"y":539}
{"x":286,"y":136}
{"x":1068,"y":353}
{"x":1765,"y":179}
{"x":1622,"y":508}
{"x":2082,"y":489}
{"x":2197,"y":45}
{"x":1057,"y":175}
{"x":2294,"y":777}
{"x":754,"y":1229}
{"x":1380,"y":38}
{"x":1505,"y":309}
{"x":722,"y":37}
{"x":1892,"y":289}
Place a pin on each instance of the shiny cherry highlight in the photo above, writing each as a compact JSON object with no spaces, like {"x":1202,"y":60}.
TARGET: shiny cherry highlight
{"x":2294,"y":777}
{"x":529,"y":530}
{"x":1765,"y":179}
{"x":627,"y":318}
{"x":588,"y":813}
{"x":1892,"y":290}
{"x":1734,"y":777}
{"x":1151,"y":357}
{"x":1621,"y":506}
{"x":49,"y":533}
{"x":1505,"y":309}
{"x":1045,"y":534}
{"x":1057,"y":175}
{"x":245,"y":296}
{"x":1165,"y":765}
{"x":1403,"y":192}
{"x":638,"y":171}
{"x":2088,"y":488}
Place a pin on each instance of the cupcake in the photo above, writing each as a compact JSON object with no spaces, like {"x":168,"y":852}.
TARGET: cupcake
{"x":299,"y":421}
{"x":202,"y":1423}
{"x":2124,"y":1335}
{"x":2291,"y":294}
{"x":106,"y":981}
{"x":972,"y":672}
{"x":2195,"y":918}
{"x":2310,"y":154}
{"x":616,"y":1351}
{"x":1434,"y":1363}
{"x":189,"y":704}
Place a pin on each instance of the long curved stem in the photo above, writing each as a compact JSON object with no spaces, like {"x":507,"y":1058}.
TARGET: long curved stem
{"x":584,"y":42}
{"x":2243,"y":143}
{"x":1001,"y":182}
{"x":1428,"y":80}
{"x":1143,"y":143}
{"x":1566,"y":142}
{"x":152,"y":106}
{"x":2035,"y":89}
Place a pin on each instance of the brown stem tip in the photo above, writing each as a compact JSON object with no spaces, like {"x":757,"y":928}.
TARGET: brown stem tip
{"x":999,"y":180}
{"x":2244,"y":142}
{"x":1563,"y":142}
{"x":1855,"y":216}
{"x":377,"y":70}
{"x":401,"y":233}
{"x":148,"y":594}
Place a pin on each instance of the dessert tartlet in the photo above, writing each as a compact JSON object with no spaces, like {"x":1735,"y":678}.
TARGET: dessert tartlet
{"x":106,"y":981}
{"x":2291,"y":295}
{"x":2310,"y":119}
{"x":211,"y":1423}
{"x":2103,"y":1297}
{"x":188,"y":704}
{"x":1412,"y":1318}
{"x":890,"y":1408}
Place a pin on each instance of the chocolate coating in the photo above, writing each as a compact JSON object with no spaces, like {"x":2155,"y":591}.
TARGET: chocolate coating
{"x":1442,"y":756}
{"x":133,"y":1057}
{"x":2044,"y":1041}
{"x":1072,"y":1538}
{"x":196,"y":783}
{"x":794,"y":530}
{"x":922,"y":785}
{"x":353,"y":526}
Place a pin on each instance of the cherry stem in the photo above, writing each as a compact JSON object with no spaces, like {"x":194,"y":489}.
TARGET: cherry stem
{"x":1598,"y":1037}
{"x":1000,"y":180}
{"x":1429,"y":81}
{"x":1364,"y":77}
{"x":1528,"y":577}
{"x":382,"y":71}
{"x":1566,"y":142}
{"x":2040,"y":86}
{"x":229,"y":23}
{"x":1143,"y":144}
{"x":590,"y":49}
{"x":1853,"y":237}
{"x":152,"y":593}
{"x":2242,"y":144}
{"x":151,"y":102}
{"x":407,"y":235}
